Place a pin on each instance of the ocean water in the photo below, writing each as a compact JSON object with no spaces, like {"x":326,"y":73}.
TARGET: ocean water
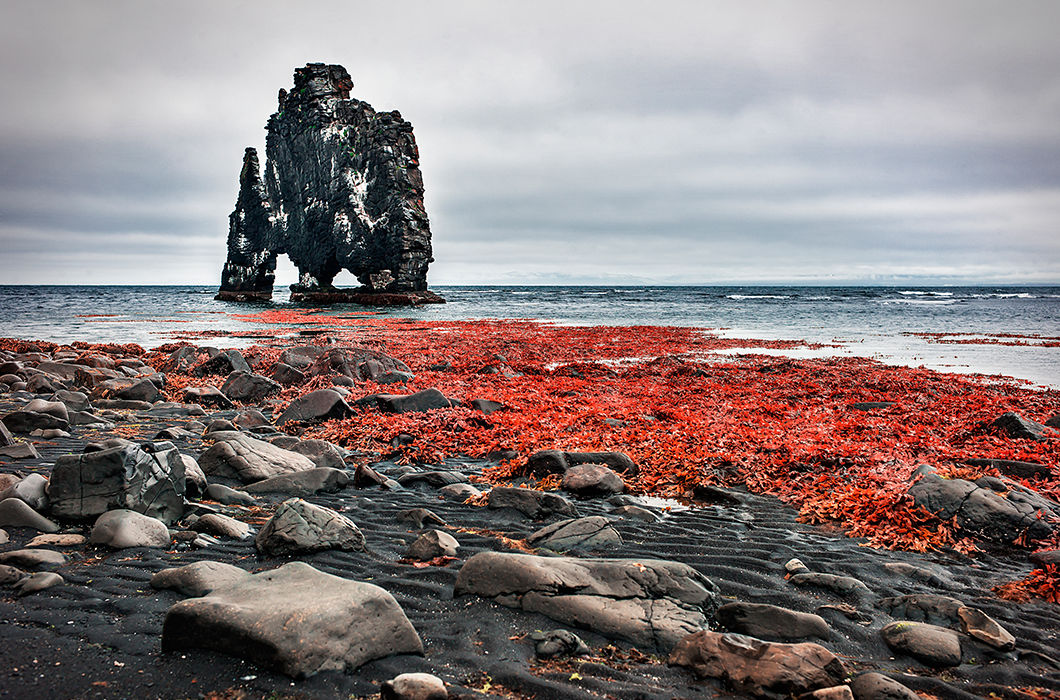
{"x":878,"y":322}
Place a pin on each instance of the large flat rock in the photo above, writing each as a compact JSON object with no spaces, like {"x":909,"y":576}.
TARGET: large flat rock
{"x":649,"y":602}
{"x":294,"y":619}
{"x":237,"y":456}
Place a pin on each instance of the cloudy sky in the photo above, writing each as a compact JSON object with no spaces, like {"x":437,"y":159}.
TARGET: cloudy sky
{"x":561,"y":142}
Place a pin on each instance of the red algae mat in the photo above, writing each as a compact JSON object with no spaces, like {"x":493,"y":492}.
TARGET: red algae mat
{"x":689,"y":416}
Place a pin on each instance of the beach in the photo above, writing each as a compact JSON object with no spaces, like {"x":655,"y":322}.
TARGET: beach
{"x":741,"y":464}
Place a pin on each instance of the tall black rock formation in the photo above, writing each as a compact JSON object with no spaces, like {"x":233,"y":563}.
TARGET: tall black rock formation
{"x":342,"y":190}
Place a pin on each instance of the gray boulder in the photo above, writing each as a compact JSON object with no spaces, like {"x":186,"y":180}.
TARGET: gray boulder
{"x":38,"y":582}
{"x":322,"y":452}
{"x":222,"y":364}
{"x":52,"y":408}
{"x":301,"y":527}
{"x":294,"y":619}
{"x":535,"y":504}
{"x":28,"y":421}
{"x":983,"y":512}
{"x":126,"y":528}
{"x":876,"y":686}
{"x":934,"y":646}
{"x":14,"y":512}
{"x":651,"y":603}
{"x":87,"y":485}
{"x":34,"y":559}
{"x":249,"y":387}
{"x":302,"y":483}
{"x":316,"y":406}
{"x":414,"y":686}
{"x":557,"y":462}
{"x":128,"y":389}
{"x":426,"y":400}
{"x":199,"y":578}
{"x":206,"y":396}
{"x":222,"y":526}
{"x":589,"y":533}
{"x":1016,"y":426}
{"x":229,"y":496}
{"x":771,"y":622}
{"x":592,"y":480}
{"x":32,"y":490}
{"x":432,"y":544}
{"x":235,"y":455}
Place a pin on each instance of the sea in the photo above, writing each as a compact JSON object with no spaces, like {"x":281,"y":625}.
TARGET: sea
{"x":1009,"y":331}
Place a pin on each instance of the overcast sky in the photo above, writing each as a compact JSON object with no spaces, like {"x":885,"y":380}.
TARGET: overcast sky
{"x":561,"y":142}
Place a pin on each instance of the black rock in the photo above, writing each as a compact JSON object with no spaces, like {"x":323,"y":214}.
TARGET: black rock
{"x":343,"y":190}
{"x":426,"y":400}
{"x":223,"y":364}
{"x":286,"y":374}
{"x":1016,"y":426}
{"x":535,"y":504}
{"x":248,"y":387}
{"x":320,"y":405}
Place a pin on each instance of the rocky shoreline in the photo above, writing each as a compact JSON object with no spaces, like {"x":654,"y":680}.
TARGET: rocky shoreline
{"x":216,"y":546}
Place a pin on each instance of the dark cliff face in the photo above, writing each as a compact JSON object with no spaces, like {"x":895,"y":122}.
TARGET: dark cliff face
{"x":342,"y":190}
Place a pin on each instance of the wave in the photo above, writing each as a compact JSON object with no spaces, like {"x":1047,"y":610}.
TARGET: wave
{"x":922,"y":302}
{"x":756,"y":296}
{"x":926,"y":294}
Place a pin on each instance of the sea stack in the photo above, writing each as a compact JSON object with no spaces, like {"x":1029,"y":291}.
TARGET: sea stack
{"x":342,"y":190}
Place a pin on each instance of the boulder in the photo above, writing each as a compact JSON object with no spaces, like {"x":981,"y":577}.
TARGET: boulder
{"x":229,"y":496}
{"x":302,"y":483}
{"x":876,"y":686}
{"x":636,"y":513}
{"x":357,"y":363}
{"x":322,"y":452}
{"x":20,"y":450}
{"x":983,"y":512}
{"x":32,"y":489}
{"x":28,"y":421}
{"x":222,"y":526}
{"x":771,"y":622}
{"x":316,"y":406}
{"x":1016,"y":426}
{"x":126,"y":528}
{"x":592,"y":480}
{"x":418,"y":517}
{"x":63,"y":540}
{"x":294,"y":619}
{"x":14,"y":512}
{"x":206,"y":396}
{"x":128,"y":389}
{"x":300,"y":527}
{"x":87,"y":485}
{"x":199,"y":578}
{"x":34,"y":559}
{"x":534,"y":504}
{"x":6,"y":439}
{"x":486,"y":406}
{"x":434,"y":479}
{"x":558,"y":643}
{"x":235,"y":455}
{"x":249,"y":387}
{"x":458,"y":492}
{"x":426,"y":400}
{"x":934,"y":646}
{"x":38,"y":582}
{"x":589,"y":533}
{"x":759,"y":668}
{"x":52,"y":408}
{"x":557,"y":462}
{"x":74,"y":400}
{"x":222,"y":364}
{"x":414,"y":686}
{"x":194,"y":478}
{"x":301,"y":356}
{"x":287,"y":375}
{"x":651,"y":603}
{"x":171,"y":409}
{"x":433,"y":544}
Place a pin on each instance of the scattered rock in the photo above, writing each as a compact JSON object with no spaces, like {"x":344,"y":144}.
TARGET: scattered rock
{"x":14,"y":512}
{"x":771,"y":622}
{"x":52,"y":408}
{"x":589,"y":533}
{"x":235,"y":455}
{"x":592,"y":480}
{"x":322,"y":452}
{"x":303,"y":483}
{"x":418,"y":517}
{"x":143,"y":390}
{"x":124,"y":528}
{"x":922,"y":607}
{"x":636,"y":513}
{"x":1012,"y":467}
{"x":34,"y":558}
{"x":558,"y":643}
{"x":983,"y":512}
{"x":229,"y":496}
{"x":222,"y":364}
{"x":433,"y":544}
{"x":249,"y":387}
{"x":294,"y":619}
{"x":251,"y":418}
{"x":651,"y":603}
{"x":557,"y":462}
{"x":756,"y":667}
{"x":876,"y":686}
{"x":28,"y":421}
{"x":414,"y":686}
{"x":31,"y":489}
{"x":434,"y":479}
{"x":168,"y":409}
{"x":316,"y":406}
{"x":207,"y":396}
{"x":301,"y":527}
{"x":20,"y":450}
{"x":221,"y":525}
{"x":38,"y":582}
{"x":934,"y":646}
{"x":1016,"y":426}
{"x":10,"y":575}
{"x":123,"y":477}
{"x":534,"y":504}
{"x":459,"y":492}
{"x":426,"y":400}
{"x":842,"y":585}
{"x":64,"y":540}
{"x":199,"y":578}
{"x":978,"y":624}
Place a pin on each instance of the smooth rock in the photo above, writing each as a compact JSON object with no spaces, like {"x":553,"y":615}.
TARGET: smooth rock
{"x":199,"y":578}
{"x":229,"y":496}
{"x":14,"y":512}
{"x":558,"y":643}
{"x":294,"y":619}
{"x":1016,"y":426}
{"x":459,"y":492}
{"x":771,"y":622}
{"x":222,"y":364}
{"x":19,"y":450}
{"x":127,"y":390}
{"x":316,"y":406}
{"x":303,"y":483}
{"x":206,"y":396}
{"x":876,"y":686}
{"x":978,"y":624}
{"x":10,"y":574}
{"x":983,"y":512}
{"x":238,"y":456}
{"x":126,"y":528}
{"x":322,"y":452}
{"x":418,"y":517}
{"x":63,"y":540}
{"x":592,"y":480}
{"x":32,"y":489}
{"x":301,"y":527}
{"x":194,"y":479}
{"x":34,"y":558}
{"x":414,"y":686}
{"x":590,"y":533}
{"x":28,"y":421}
{"x":38,"y":582}
{"x":433,"y":544}
{"x":557,"y":462}
{"x":636,"y":513}
{"x":650,"y":603}
{"x":249,"y":387}
{"x":934,"y":646}
{"x":221,"y":525}
{"x":534,"y":504}
{"x":426,"y":400}
{"x":756,"y":667}
{"x":52,"y":408}
{"x":435,"y":479}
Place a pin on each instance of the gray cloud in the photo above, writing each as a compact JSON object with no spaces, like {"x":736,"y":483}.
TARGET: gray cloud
{"x":683,"y":142}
